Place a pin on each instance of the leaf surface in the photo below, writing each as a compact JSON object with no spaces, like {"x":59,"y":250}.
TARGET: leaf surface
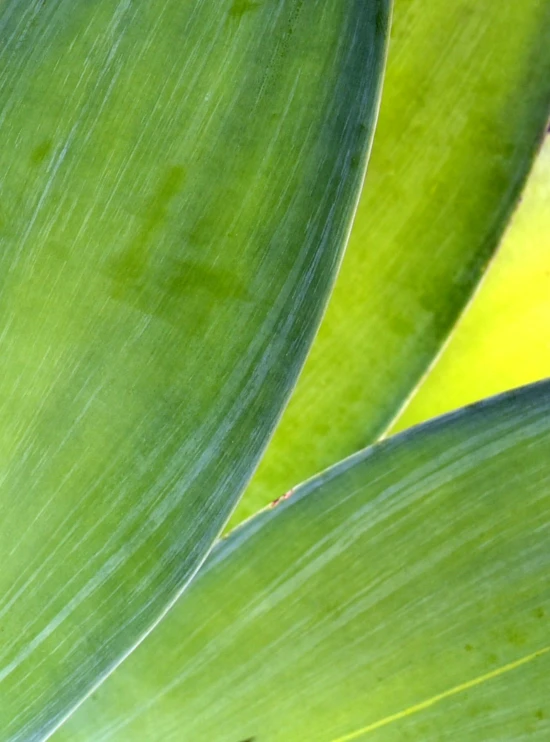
{"x":177,"y":181}
{"x":401,"y":595}
{"x":466,"y":99}
{"x":503,"y":340}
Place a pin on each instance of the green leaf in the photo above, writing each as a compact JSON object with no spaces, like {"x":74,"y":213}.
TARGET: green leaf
{"x":409,"y":580}
{"x":178,"y":180}
{"x":466,"y":98}
{"x":502,"y":340}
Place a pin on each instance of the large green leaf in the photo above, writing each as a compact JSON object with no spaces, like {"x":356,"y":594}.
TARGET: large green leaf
{"x":466,"y":98}
{"x":178,"y":180}
{"x":407,"y":583}
{"x":503,"y":340}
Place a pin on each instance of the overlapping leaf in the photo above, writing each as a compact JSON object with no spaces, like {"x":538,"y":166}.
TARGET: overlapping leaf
{"x":177,"y":184}
{"x":503,"y":341}
{"x":466,"y":99}
{"x":402,"y":595}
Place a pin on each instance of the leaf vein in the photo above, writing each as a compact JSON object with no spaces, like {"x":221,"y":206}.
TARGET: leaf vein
{"x":462,"y":687}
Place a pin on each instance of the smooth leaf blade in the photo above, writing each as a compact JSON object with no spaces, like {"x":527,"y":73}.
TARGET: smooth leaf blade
{"x":502,"y":340}
{"x":485,"y":708}
{"x":409,"y":579}
{"x":466,"y":100}
{"x":178,"y":181}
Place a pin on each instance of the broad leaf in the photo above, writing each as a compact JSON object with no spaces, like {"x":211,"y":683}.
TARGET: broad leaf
{"x":408,"y":582}
{"x":466,"y":98}
{"x":503,"y":340}
{"x":178,"y":180}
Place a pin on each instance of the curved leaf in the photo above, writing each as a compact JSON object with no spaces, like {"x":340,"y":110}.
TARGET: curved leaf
{"x":410,"y":579}
{"x":466,"y":98}
{"x":503,"y":340}
{"x":177,"y":183}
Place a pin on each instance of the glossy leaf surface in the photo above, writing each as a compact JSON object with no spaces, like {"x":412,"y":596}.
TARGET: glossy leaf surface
{"x":402,"y":595}
{"x":503,"y":340}
{"x":466,"y":98}
{"x":177,"y":184}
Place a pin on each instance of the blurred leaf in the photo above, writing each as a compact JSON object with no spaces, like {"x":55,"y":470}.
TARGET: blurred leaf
{"x":409,"y":580}
{"x":466,"y":98}
{"x":503,"y":341}
{"x":177,"y":183}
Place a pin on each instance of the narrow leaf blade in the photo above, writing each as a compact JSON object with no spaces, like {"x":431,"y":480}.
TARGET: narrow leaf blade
{"x":466,"y":100}
{"x":503,"y":340}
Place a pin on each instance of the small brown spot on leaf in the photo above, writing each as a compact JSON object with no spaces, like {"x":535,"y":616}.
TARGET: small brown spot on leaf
{"x":281,"y":498}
